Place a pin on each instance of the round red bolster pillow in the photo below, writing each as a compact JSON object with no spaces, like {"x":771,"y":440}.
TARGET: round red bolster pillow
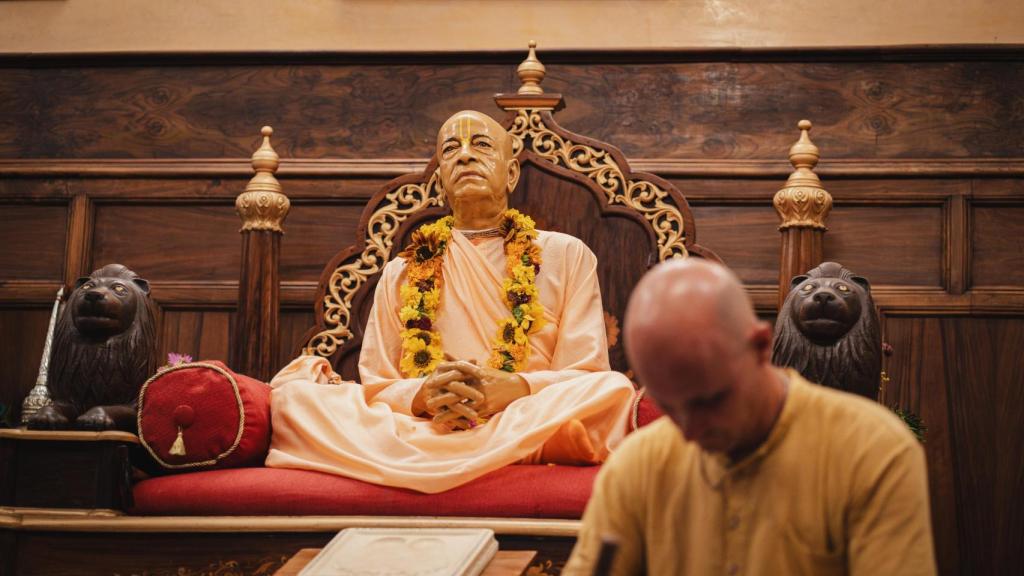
{"x":201,"y":415}
{"x":645,"y":411}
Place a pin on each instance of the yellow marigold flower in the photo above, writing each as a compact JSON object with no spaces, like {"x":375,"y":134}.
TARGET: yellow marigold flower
{"x":431,"y":299}
{"x":408,"y":313}
{"x":410,"y":295}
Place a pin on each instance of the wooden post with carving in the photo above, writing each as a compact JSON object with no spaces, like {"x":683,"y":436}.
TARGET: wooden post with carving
{"x":803,"y":205}
{"x":263,"y":208}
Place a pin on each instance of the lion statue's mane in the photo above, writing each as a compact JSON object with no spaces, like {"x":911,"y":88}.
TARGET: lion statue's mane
{"x":103,"y":366}
{"x":848,"y":355}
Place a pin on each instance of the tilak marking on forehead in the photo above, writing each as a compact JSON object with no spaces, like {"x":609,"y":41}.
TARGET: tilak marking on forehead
{"x":464,"y":130}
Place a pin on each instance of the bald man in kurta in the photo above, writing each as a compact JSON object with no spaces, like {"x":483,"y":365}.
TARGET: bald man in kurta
{"x":753,"y":471}
{"x":559,"y":404}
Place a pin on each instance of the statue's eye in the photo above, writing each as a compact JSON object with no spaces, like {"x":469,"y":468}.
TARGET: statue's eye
{"x":120,"y":289}
{"x":842,"y":287}
{"x":807,"y":288}
{"x":88,"y":286}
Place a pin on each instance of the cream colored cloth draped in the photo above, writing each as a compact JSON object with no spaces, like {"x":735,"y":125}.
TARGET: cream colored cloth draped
{"x":368,"y":431}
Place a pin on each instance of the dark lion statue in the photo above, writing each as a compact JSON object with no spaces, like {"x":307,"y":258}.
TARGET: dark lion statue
{"x":828,"y":330}
{"x":104,"y":348}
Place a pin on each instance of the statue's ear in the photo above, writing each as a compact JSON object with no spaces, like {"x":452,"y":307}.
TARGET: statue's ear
{"x":862,"y":281}
{"x":514,"y":171}
{"x":80,"y":281}
{"x":797,"y":280}
{"x":143,"y":284}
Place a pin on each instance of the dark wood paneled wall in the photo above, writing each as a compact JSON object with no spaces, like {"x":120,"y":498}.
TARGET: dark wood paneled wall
{"x":139,"y":161}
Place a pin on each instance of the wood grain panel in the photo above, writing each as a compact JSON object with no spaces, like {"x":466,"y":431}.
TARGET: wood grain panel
{"x":746,"y":238}
{"x":898,"y":245}
{"x":170,"y":111}
{"x":965,"y":378}
{"x":176,"y":242}
{"x":919,"y":384}
{"x":33,"y":237}
{"x":986,"y":393}
{"x":200,"y":334}
{"x":861,"y":109}
{"x":314,"y":233}
{"x":293,"y":325}
{"x":22,"y":335}
{"x":997,"y":245}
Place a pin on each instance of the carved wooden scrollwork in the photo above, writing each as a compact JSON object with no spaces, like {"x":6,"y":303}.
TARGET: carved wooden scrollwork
{"x":379,"y":240}
{"x":645,"y":197}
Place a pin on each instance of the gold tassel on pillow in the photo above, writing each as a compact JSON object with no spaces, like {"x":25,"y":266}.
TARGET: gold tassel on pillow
{"x":178,"y":448}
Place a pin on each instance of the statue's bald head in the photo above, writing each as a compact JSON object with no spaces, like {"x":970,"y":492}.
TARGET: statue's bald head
{"x":476,"y":166}
{"x":693,"y":339}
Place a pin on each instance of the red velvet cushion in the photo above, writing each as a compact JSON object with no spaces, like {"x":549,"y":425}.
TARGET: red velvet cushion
{"x":513,"y":491}
{"x":223,"y":417}
{"x":645,"y":411}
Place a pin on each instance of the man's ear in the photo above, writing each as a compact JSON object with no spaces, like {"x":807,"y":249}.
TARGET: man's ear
{"x":761,"y":340}
{"x":514,"y":172}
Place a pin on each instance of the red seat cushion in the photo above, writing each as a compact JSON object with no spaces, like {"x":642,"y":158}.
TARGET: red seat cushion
{"x":513,"y":491}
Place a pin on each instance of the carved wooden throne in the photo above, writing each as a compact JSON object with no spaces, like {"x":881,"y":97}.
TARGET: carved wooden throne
{"x":569,"y":183}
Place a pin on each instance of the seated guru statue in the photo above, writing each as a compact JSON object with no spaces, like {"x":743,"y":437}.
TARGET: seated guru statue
{"x":485,"y":346}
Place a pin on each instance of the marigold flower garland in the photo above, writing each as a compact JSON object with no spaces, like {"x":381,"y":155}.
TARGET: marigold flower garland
{"x":421,"y":295}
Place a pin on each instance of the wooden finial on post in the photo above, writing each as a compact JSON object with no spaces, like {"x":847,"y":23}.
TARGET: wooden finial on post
{"x":531,"y":72}
{"x":263,"y":208}
{"x":803,"y":205}
{"x":530,"y":95}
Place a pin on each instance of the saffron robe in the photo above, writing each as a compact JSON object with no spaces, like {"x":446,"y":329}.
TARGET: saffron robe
{"x":369,"y":432}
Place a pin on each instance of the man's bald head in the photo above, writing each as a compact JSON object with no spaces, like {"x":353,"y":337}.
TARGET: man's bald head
{"x":693,"y":340}
{"x":687,"y":299}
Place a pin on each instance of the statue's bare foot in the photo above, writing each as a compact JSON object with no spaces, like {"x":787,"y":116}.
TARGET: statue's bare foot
{"x":95,"y":419}
{"x":48,"y":418}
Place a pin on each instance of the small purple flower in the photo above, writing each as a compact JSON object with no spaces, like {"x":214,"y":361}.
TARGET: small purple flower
{"x":173,"y":358}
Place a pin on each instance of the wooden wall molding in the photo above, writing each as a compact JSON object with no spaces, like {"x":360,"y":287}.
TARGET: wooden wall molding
{"x":868,"y":168}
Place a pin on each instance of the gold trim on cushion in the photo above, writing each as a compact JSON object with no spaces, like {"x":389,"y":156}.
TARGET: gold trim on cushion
{"x":634,"y":412}
{"x":238,"y":400}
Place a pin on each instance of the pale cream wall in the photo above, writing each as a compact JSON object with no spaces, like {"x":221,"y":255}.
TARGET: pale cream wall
{"x":53,"y":26}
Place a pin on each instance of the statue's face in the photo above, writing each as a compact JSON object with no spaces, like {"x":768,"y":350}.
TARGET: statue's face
{"x":476,"y":163}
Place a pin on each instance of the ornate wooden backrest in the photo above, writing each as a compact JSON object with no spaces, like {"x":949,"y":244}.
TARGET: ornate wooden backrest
{"x":569,"y":183}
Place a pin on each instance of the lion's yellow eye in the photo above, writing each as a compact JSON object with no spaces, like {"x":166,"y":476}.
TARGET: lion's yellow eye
{"x":88,"y":286}
{"x":842,"y":288}
{"x":120,"y":289}
{"x":807,"y":288}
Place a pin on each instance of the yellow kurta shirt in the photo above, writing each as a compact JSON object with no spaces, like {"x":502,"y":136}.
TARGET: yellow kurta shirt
{"x":839,"y":487}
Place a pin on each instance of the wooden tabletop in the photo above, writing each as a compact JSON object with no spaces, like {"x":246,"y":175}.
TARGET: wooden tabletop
{"x":504,"y":563}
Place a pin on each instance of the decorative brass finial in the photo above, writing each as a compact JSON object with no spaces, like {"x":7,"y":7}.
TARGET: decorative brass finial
{"x":803,"y":202}
{"x":263,"y":206}
{"x":531,"y":72}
